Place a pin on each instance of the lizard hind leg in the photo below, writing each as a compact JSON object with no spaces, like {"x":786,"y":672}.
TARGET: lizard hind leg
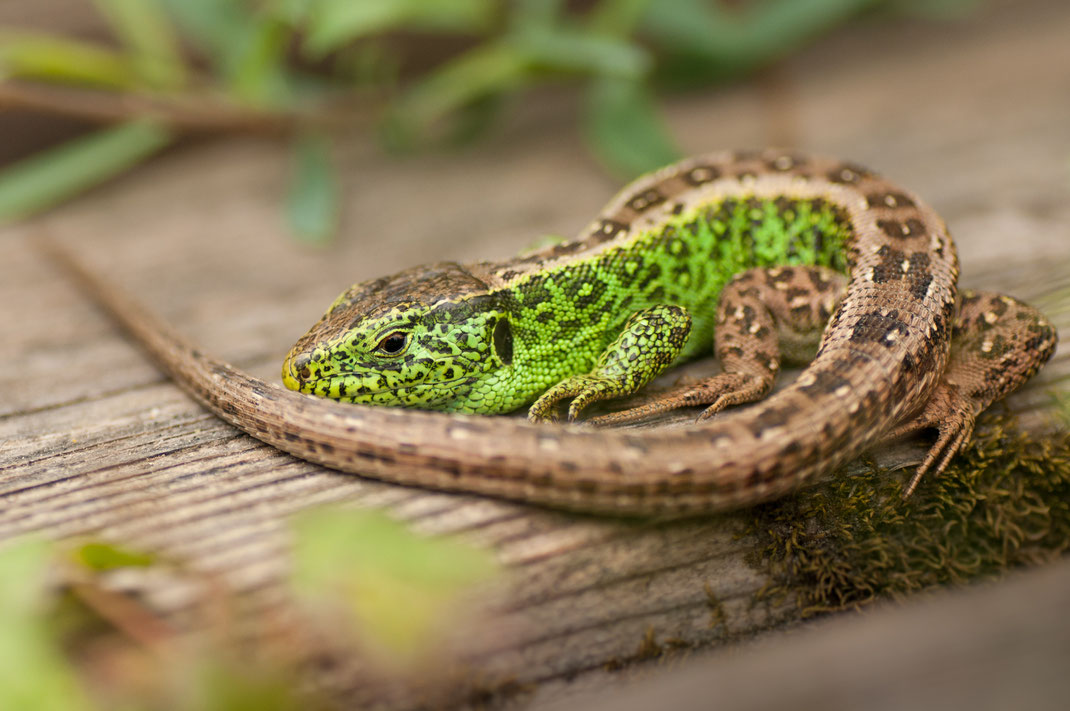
{"x":997,"y":344}
{"x":649,"y":342}
{"x":763,"y":315}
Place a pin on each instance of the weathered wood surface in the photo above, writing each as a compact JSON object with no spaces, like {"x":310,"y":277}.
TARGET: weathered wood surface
{"x":94,"y":441}
{"x":981,"y":650}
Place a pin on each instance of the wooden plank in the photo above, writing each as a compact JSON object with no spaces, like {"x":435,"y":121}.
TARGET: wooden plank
{"x":981,"y":649}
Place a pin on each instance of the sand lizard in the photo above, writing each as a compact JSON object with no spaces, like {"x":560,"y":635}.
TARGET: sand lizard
{"x":759,"y":254}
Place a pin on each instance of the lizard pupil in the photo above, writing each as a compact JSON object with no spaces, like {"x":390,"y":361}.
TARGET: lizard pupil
{"x":392,"y":344}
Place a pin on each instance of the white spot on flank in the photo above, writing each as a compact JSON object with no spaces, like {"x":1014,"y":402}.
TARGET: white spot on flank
{"x":890,"y":201}
{"x":905,"y":266}
{"x":986,"y":347}
{"x":991,"y":317}
{"x":842,"y":390}
{"x":738,"y":314}
{"x":807,"y":378}
{"x":755,"y":328}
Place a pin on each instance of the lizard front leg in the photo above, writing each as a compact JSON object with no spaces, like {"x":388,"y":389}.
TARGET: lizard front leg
{"x":650,"y":341}
{"x":763,"y":315}
{"x":997,"y":343}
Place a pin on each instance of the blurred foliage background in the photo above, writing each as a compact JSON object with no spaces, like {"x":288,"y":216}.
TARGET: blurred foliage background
{"x":419,"y":73}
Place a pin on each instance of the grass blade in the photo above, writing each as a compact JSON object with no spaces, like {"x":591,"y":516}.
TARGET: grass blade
{"x":146,"y":31}
{"x":47,"y":178}
{"x":313,"y":202}
{"x":33,"y":55}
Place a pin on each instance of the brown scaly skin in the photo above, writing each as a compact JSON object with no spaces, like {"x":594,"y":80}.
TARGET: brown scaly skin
{"x":882,"y":368}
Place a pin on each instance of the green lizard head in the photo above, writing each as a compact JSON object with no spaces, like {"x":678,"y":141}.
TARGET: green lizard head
{"x":421,"y":338}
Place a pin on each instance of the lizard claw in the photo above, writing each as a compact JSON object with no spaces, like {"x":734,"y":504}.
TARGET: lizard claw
{"x":953,"y":415}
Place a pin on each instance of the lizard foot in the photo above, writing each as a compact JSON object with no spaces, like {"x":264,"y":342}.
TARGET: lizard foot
{"x":998,"y":343}
{"x":953,"y":416}
{"x":583,"y":389}
{"x":650,"y":341}
{"x":718,"y":392}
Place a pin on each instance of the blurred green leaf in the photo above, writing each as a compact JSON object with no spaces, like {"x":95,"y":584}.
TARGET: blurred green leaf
{"x":216,"y":682}
{"x":23,"y":566}
{"x":248,"y":49}
{"x":145,"y":29}
{"x":54,"y":175}
{"x":333,"y":23}
{"x":618,"y":18}
{"x":105,"y":556}
{"x":400,"y":588}
{"x":33,"y":672}
{"x":486,"y":70}
{"x":714,"y":42}
{"x":527,"y":15}
{"x":622,"y":125}
{"x":313,"y":204}
{"x":211,"y":24}
{"x":255,"y":65}
{"x":31,"y":55}
{"x":579,"y":51}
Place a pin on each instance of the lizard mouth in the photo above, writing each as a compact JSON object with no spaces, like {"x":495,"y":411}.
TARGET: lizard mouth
{"x":299,"y":373}
{"x":296,"y":374}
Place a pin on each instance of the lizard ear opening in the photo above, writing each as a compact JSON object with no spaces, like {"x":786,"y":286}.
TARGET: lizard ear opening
{"x":503,"y":341}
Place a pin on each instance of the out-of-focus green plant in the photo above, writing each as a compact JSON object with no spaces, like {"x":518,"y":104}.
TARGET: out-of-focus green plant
{"x":399,"y":592}
{"x":303,"y":66}
{"x":396,"y":592}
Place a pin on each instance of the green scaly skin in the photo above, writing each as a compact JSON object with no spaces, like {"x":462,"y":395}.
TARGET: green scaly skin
{"x":468,"y":347}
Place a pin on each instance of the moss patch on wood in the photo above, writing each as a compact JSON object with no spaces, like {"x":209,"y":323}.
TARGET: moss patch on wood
{"x":1004,"y":502}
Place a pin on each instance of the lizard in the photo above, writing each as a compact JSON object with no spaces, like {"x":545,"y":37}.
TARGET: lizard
{"x":764,"y":255}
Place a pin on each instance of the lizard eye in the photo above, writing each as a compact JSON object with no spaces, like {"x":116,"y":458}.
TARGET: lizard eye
{"x":393,"y":344}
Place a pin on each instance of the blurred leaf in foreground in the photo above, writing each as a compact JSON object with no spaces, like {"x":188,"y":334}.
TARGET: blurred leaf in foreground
{"x":210,"y":681}
{"x":106,"y":556}
{"x":33,"y":671}
{"x":54,"y":175}
{"x":399,"y":591}
{"x":313,"y":203}
{"x":623,"y":127}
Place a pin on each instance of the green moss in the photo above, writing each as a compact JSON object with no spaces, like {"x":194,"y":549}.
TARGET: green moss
{"x":1004,"y":502}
